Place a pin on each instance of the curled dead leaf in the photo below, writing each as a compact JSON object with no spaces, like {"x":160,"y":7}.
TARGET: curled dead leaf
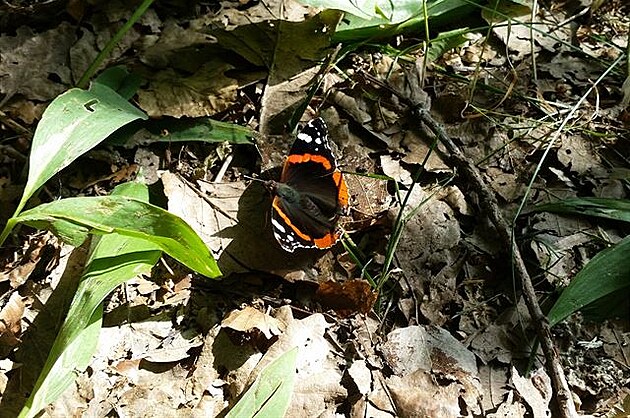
{"x":347,"y":297}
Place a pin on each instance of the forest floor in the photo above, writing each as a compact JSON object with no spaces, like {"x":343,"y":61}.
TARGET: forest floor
{"x":447,"y":332}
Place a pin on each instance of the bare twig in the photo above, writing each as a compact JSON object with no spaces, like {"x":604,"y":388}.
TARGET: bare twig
{"x":489,"y":205}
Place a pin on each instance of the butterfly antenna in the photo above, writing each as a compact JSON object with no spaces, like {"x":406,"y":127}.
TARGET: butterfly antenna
{"x":253,"y":178}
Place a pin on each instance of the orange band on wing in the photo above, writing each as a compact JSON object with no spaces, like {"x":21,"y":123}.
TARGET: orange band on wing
{"x":287,"y":221}
{"x":304,"y":158}
{"x":342,"y":189}
{"x":327,"y":241}
{"x":324,"y":242}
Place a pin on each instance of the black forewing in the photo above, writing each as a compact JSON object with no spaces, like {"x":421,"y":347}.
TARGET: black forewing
{"x":313,"y":139}
{"x":317,"y":211}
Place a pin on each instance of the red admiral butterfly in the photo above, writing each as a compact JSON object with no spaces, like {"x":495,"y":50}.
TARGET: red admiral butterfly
{"x":311,"y":193}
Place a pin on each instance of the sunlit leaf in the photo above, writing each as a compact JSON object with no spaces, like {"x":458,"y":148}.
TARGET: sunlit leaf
{"x":270,"y":394}
{"x":127,"y":217}
{"x":113,"y":260}
{"x":180,"y":130}
{"x":616,"y":209}
{"x":74,"y":123}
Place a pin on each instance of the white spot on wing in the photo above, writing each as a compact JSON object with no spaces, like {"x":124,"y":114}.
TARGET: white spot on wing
{"x":305,"y":137}
{"x":278,"y":226}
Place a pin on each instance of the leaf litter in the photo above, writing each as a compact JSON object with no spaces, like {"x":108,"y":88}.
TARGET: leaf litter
{"x":456,"y":335}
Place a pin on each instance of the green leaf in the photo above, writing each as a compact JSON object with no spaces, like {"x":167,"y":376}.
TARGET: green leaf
{"x":615,"y":209}
{"x":389,"y":18}
{"x":445,"y":42}
{"x":113,"y":260}
{"x":120,"y":80}
{"x":127,"y":217}
{"x":606,"y":273}
{"x":180,"y":130}
{"x":59,"y":372}
{"x":74,"y":123}
{"x":270,"y":394}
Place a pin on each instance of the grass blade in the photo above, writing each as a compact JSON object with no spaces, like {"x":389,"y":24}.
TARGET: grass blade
{"x":608,"y":272}
{"x":615,"y":209}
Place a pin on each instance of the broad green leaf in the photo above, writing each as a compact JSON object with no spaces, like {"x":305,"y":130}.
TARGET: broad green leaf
{"x":390,"y":18}
{"x":113,"y":260}
{"x":131,"y":218}
{"x":74,"y":123}
{"x":616,"y":209}
{"x":180,"y":130}
{"x":120,"y":80}
{"x":270,"y":394}
{"x":62,"y":372}
{"x":606,"y":273}
{"x":445,"y":42}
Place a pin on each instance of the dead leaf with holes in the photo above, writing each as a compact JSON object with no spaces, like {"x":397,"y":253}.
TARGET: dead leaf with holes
{"x":50,"y":77}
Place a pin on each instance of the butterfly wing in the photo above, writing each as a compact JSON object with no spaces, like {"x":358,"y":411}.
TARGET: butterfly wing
{"x":313,"y":192}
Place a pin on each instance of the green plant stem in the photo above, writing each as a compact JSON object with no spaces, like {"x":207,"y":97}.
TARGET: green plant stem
{"x":13,"y":220}
{"x":87,"y":75}
{"x":7,"y":230}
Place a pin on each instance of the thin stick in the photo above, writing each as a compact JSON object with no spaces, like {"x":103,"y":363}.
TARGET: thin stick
{"x":488,"y":204}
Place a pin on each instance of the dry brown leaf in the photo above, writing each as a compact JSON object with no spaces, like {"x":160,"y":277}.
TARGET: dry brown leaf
{"x":298,"y":50}
{"x":208,"y":217}
{"x":509,"y":408}
{"x":48,"y":49}
{"x":347,"y":297}
{"x":361,"y":375}
{"x":506,"y":185}
{"x":494,"y":380}
{"x":206,"y":92}
{"x":247,"y":319}
{"x":176,"y":46}
{"x":579,"y":156}
{"x":10,"y":321}
{"x":413,"y":351}
{"x":418,"y":396}
{"x":232,"y":16}
{"x":537,"y":398}
{"x":154,"y":339}
{"x":318,"y":382}
{"x":391,"y":167}
{"x":407,"y":350}
{"x":41,"y":244}
{"x":429,"y":250}
{"x":417,"y":152}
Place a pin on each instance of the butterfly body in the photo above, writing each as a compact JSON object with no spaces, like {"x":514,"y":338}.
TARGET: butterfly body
{"x":311,"y":193}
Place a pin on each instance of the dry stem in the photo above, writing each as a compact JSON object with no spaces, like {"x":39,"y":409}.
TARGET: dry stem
{"x":488,"y":204}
